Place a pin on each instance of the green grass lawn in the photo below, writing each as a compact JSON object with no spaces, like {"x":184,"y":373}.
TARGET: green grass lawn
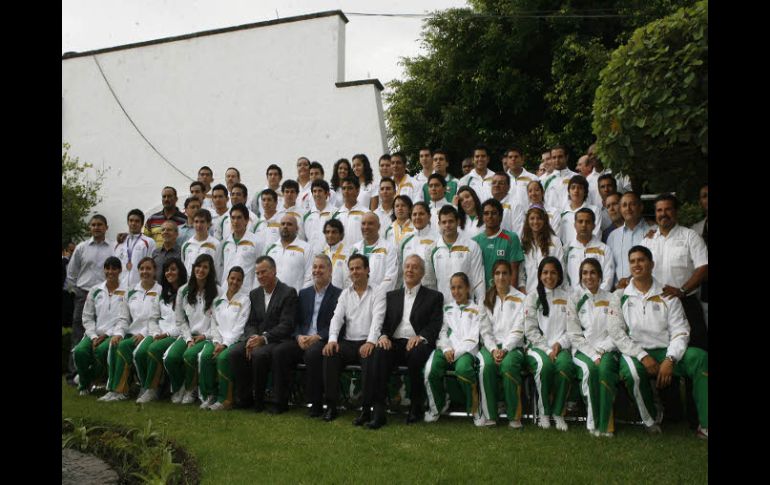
{"x":243,"y":447}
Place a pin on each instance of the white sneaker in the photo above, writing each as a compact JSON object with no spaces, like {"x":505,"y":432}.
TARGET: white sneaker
{"x":107,"y":397}
{"x":76,"y":380}
{"x":608,"y":435}
{"x":544,"y":422}
{"x":561,"y":425}
{"x":119,"y":396}
{"x":176,"y":398}
{"x":84,"y":392}
{"x":218,"y":406}
{"x":149,"y":395}
{"x":208,"y":402}
{"x":595,"y":433}
{"x":515,"y":424}
{"x":189,"y":397}
{"x":481,"y":421}
{"x":703,"y":433}
{"x":430,"y":417}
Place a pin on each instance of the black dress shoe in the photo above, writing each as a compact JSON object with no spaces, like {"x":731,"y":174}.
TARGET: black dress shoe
{"x":316,"y":410}
{"x":278,"y":409}
{"x":412,"y":418}
{"x":379,"y":419}
{"x":364,"y":417}
{"x":330,"y":414}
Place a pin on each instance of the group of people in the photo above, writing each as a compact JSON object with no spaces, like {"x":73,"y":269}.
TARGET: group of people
{"x":489,"y":275}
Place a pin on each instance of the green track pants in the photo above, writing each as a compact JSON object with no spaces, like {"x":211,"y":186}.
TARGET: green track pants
{"x":124,"y":357}
{"x":510,"y":371}
{"x":90,"y":363}
{"x":216,"y":378}
{"x":552,"y":379}
{"x":598,"y":385}
{"x":465,"y":371}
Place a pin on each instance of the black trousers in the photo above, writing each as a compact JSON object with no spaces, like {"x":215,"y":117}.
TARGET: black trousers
{"x":415,"y":359}
{"x":286,"y":357}
{"x":251,"y":375}
{"x":348,"y":355}
{"x":693,"y":310}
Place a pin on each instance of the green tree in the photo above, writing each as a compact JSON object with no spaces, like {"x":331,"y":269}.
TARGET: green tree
{"x":651,"y":108}
{"x":79,"y":194}
{"x":507,"y":72}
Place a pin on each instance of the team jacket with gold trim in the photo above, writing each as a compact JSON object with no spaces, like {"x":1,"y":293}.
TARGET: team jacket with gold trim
{"x":142,"y":310}
{"x":193,"y":319}
{"x":541,"y":331}
{"x":267,"y":231}
{"x":314,"y":221}
{"x":383,"y":262}
{"x":588,"y":330}
{"x":140,"y":247}
{"x":243,"y":253}
{"x":649,"y":321}
{"x":351,"y":221}
{"x":576,"y":252}
{"x":229,"y":318}
{"x":192,"y":248}
{"x":167,"y":321}
{"x":294,"y":263}
{"x":460,"y":331}
{"x":504,"y":328}
{"x":103,"y":313}
{"x":298,"y":214}
{"x":445,"y":260}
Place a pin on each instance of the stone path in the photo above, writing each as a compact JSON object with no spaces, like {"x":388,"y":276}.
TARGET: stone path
{"x":82,"y":469}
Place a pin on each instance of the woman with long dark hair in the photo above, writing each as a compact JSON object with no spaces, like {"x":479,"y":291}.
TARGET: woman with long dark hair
{"x":363,"y":170}
{"x":340,"y":172}
{"x":536,"y":196}
{"x":165,"y":334}
{"x":469,"y":210}
{"x":597,"y":361}
{"x":194,"y":309}
{"x":547,"y":312}
{"x":502,"y":356}
{"x":231,"y":310}
{"x":538,"y":240}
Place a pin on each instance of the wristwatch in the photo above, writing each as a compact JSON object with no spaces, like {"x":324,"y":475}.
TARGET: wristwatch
{"x":683,"y":290}
{"x":673,"y":360}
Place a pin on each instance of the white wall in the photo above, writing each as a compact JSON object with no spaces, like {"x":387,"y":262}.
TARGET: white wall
{"x":246,"y":98}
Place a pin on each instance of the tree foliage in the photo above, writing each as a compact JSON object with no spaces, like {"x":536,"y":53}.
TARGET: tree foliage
{"x":508,"y":72}
{"x":79,"y":194}
{"x":651,"y":109}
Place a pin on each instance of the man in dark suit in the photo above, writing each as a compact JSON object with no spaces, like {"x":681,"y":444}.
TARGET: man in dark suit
{"x":314,"y":312}
{"x":413,"y":319}
{"x":271,"y":321}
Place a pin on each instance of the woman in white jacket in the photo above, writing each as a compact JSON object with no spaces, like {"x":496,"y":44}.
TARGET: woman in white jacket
{"x":194,"y":309}
{"x":165,"y":334}
{"x":456,"y":349}
{"x":502,"y":356}
{"x":596,"y":359}
{"x":538,"y":240}
{"x":132,"y":340}
{"x":231,"y":310}
{"x":547,"y":312}
{"x":102,"y":315}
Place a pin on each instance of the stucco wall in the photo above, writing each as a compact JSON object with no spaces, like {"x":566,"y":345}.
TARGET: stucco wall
{"x":246,"y":98}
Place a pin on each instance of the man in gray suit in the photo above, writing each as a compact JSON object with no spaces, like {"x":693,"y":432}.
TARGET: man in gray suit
{"x":271,"y":321}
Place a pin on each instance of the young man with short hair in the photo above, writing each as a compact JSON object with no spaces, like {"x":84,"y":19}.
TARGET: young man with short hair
{"x":497,"y":243}
{"x":405,"y":184}
{"x":220,"y":217}
{"x":520,"y":177}
{"x":274,"y":175}
{"x":436,"y":198}
{"x":337,"y":251}
{"x":206,"y":177}
{"x":239,"y":194}
{"x":314,"y":219}
{"x":135,"y":247}
{"x":268,"y":226}
{"x":191,"y":205}
{"x":290,"y":189}
{"x":387,"y":197}
{"x":513,"y":207}
{"x":480,"y":178}
{"x":556,"y":184}
{"x":426,"y":169}
{"x":653,"y":335}
{"x":241,"y":248}
{"x":202,"y":243}
{"x":584,"y":245}
{"x":350,"y":212}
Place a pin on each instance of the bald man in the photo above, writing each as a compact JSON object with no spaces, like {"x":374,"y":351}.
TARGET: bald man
{"x":292,"y":255}
{"x":382,"y":255}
